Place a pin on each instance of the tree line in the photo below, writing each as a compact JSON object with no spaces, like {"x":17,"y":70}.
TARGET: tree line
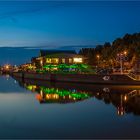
{"x":107,"y":53}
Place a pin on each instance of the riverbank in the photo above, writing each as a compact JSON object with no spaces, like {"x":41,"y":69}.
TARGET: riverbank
{"x":116,"y":79}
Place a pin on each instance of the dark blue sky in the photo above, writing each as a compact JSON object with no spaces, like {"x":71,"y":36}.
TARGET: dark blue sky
{"x":62,"y":23}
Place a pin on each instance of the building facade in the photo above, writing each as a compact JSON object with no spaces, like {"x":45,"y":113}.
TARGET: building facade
{"x":57,"y":57}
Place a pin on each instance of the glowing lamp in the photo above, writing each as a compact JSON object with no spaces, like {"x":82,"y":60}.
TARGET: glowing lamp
{"x":125,"y":52}
{"x":98,"y":56}
{"x":120,"y":111}
{"x":125,"y":98}
{"x":7,"y":66}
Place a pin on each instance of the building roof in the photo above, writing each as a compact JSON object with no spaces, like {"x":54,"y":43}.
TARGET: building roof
{"x":51,"y":52}
{"x":63,"y":55}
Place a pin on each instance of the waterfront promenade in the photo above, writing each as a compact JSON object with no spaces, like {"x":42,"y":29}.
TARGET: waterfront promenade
{"x":116,"y":79}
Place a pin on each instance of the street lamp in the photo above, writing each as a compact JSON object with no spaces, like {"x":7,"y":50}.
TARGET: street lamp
{"x":121,"y":57}
{"x":7,"y":66}
{"x":125,"y":52}
{"x":98,"y":57}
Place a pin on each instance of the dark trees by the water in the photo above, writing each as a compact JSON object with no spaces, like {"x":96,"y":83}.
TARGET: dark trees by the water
{"x":107,"y":53}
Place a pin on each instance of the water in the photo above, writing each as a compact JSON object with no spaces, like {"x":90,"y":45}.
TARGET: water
{"x":33,"y":109}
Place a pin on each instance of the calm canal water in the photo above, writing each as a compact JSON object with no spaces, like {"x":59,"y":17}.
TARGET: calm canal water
{"x":32,"y":109}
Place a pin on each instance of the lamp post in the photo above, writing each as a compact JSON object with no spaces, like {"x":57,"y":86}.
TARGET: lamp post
{"x":121,"y":63}
{"x":98,"y":57}
{"x":125,"y":53}
{"x":121,"y":57}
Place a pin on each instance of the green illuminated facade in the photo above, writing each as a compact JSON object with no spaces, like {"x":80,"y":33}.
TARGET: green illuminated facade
{"x":58,"y":62}
{"x":62,"y":93}
{"x":57,"y":95}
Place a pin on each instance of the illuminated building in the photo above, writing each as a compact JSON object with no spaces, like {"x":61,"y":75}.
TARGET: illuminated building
{"x":56,"y":95}
{"x":56,"y":57}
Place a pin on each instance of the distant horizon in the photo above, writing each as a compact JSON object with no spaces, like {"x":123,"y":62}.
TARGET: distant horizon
{"x":63,"y":47}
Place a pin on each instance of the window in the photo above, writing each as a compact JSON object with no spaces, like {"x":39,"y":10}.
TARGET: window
{"x":41,"y":62}
{"x":48,"y":60}
{"x":77,"y":60}
{"x":70,"y":60}
{"x":55,"y":60}
{"x":63,"y":60}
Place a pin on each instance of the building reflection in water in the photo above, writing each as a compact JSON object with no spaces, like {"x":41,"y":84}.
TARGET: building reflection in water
{"x":48,"y":95}
{"x":124,"y":100}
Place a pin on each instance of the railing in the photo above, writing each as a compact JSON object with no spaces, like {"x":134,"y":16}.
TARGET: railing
{"x":134,"y":76}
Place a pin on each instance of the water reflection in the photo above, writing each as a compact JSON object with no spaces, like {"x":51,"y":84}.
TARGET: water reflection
{"x":124,"y":103}
{"x":55,"y":95}
{"x":126,"y":99}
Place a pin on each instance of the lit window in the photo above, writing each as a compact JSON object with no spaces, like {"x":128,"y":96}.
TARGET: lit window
{"x":48,"y":60}
{"x":41,"y":62}
{"x":70,"y":60}
{"x":52,"y":96}
{"x":77,"y":60}
{"x":63,"y":60}
{"x":55,"y":60}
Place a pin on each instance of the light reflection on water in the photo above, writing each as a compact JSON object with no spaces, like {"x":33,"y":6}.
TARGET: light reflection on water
{"x":33,"y":109}
{"x":124,"y":99}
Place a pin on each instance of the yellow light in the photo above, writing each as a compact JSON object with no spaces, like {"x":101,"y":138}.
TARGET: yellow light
{"x":55,"y":60}
{"x":63,"y":60}
{"x":69,"y":97}
{"x":41,"y":62}
{"x":48,"y":60}
{"x":52,"y":96}
{"x":55,"y":68}
{"x":125,"y":52}
{"x":7,"y":66}
{"x":98,"y":56}
{"x":120,"y":113}
{"x":70,"y":60}
{"x":41,"y":94}
{"x":47,"y":96}
{"x":77,"y":60}
{"x":34,"y":86}
{"x":125,"y":98}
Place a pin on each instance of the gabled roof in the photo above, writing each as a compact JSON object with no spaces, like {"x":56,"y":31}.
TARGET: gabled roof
{"x":51,"y":52}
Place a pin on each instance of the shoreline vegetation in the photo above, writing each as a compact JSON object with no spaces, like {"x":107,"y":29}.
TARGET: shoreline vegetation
{"x":108,"y":52}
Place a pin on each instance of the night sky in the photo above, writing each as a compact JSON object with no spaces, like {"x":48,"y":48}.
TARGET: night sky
{"x":62,"y":23}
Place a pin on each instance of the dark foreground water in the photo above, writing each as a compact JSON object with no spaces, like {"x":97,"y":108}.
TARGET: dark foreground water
{"x":33,"y":109}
